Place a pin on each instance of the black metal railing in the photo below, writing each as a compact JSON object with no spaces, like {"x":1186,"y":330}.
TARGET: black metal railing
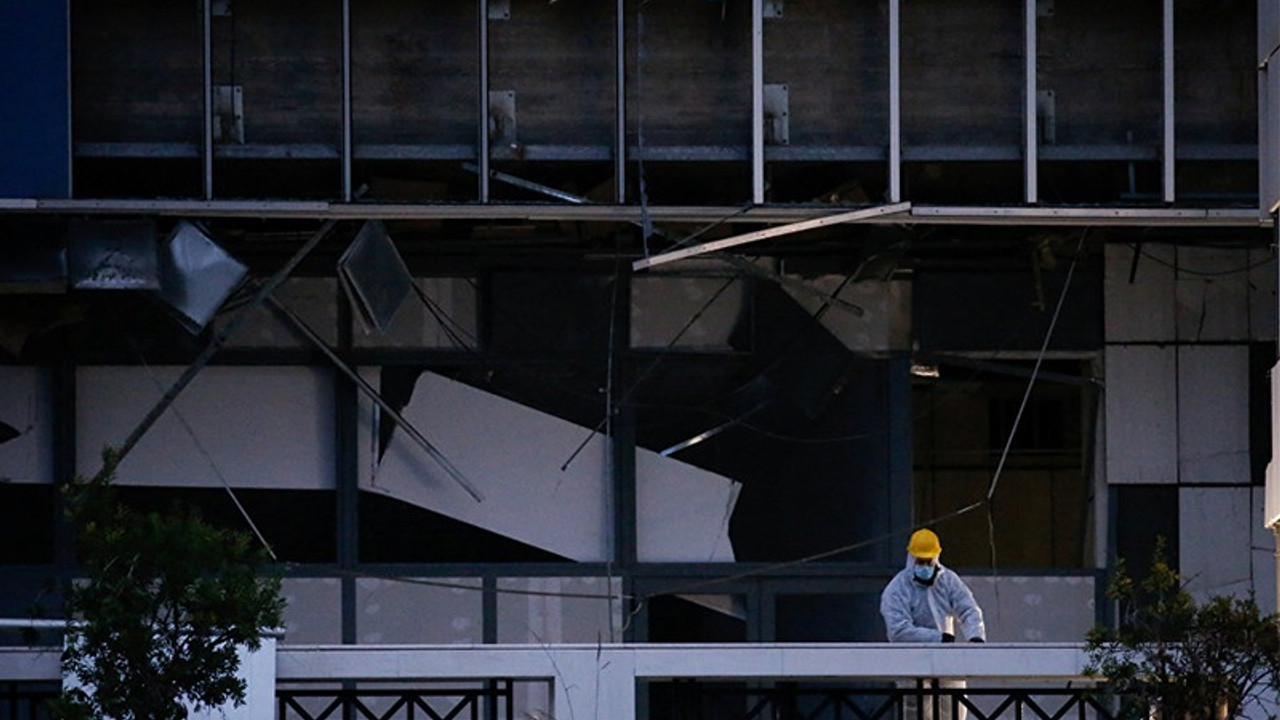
{"x":489,"y":701}
{"x":27,"y":700}
{"x":696,"y":700}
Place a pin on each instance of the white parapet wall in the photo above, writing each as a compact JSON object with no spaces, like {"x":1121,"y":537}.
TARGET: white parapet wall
{"x":590,"y":681}
{"x":601,"y":680}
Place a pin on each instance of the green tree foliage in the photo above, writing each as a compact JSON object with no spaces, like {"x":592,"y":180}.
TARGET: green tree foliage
{"x":167,"y":600}
{"x":1188,"y":660}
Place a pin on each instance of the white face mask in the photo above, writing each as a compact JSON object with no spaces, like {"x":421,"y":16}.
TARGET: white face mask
{"x":924,"y":573}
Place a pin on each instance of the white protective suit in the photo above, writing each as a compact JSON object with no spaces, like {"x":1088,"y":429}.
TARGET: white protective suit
{"x":914,"y":612}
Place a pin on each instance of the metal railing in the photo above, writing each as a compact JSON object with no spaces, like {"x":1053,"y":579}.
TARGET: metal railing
{"x":26,"y":700}
{"x":490,"y":701}
{"x":695,"y":700}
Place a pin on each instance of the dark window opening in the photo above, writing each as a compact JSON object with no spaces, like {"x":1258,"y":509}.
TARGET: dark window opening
{"x":395,"y":531}
{"x":1041,"y":511}
{"x":299,"y":525}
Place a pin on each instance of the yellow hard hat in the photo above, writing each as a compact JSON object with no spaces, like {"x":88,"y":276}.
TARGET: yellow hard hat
{"x":924,"y":544}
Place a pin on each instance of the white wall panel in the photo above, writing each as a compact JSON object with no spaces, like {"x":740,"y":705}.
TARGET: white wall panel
{"x":1035,"y":608}
{"x":26,"y":405}
{"x":1141,"y":414}
{"x":419,"y":610}
{"x":1213,"y":414}
{"x":257,"y":427}
{"x":1215,"y":536}
{"x":559,"y":610}
{"x":313,"y":611}
{"x":1142,"y":310}
{"x":1212,"y":294}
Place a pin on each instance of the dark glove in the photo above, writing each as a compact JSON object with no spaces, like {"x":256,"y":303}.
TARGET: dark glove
{"x":948,"y":637}
{"x":977,"y":639}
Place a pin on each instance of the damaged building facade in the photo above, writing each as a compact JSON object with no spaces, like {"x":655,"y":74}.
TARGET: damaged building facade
{"x":515,"y":321}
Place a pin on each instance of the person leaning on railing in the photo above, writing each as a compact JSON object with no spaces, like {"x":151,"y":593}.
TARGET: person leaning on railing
{"x":923,"y":603}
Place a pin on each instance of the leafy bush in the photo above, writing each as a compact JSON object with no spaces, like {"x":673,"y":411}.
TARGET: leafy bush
{"x":167,"y":600}
{"x":1186,"y":660}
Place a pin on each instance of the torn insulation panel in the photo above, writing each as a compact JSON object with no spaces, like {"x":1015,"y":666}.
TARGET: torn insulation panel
{"x":517,"y":457}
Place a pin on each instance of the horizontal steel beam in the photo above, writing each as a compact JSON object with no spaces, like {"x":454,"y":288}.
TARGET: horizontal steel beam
{"x":919,"y":215}
{"x":1098,"y":152}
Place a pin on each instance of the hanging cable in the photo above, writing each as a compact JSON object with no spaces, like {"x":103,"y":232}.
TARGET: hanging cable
{"x":1035,"y":370}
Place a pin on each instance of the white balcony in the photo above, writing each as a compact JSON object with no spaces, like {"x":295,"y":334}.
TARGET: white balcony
{"x":610,"y":681}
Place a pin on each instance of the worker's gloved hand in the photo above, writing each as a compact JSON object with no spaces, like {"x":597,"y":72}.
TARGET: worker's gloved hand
{"x":948,"y":637}
{"x":976,"y":639}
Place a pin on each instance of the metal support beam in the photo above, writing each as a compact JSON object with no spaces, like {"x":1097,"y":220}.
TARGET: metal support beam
{"x":71,"y":102}
{"x":346,"y":100}
{"x":1167,"y":134}
{"x":364,"y":386}
{"x":899,"y":419}
{"x":207,"y":62}
{"x":757,"y":102}
{"x":1031,"y":138}
{"x":895,"y":101}
{"x":482,"y":122}
{"x":590,"y":212}
{"x":772,"y":232}
{"x":620,"y":105}
{"x":347,"y":500}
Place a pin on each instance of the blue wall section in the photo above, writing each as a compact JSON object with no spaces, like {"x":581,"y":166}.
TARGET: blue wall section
{"x":35,"y":94}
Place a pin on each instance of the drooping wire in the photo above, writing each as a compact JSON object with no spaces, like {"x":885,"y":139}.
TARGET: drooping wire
{"x":1035,"y":370}
{"x":1022,"y":406}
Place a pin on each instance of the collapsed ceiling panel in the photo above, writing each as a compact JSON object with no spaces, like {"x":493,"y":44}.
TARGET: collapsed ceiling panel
{"x":196,"y":276}
{"x":518,"y":459}
{"x":682,"y":512}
